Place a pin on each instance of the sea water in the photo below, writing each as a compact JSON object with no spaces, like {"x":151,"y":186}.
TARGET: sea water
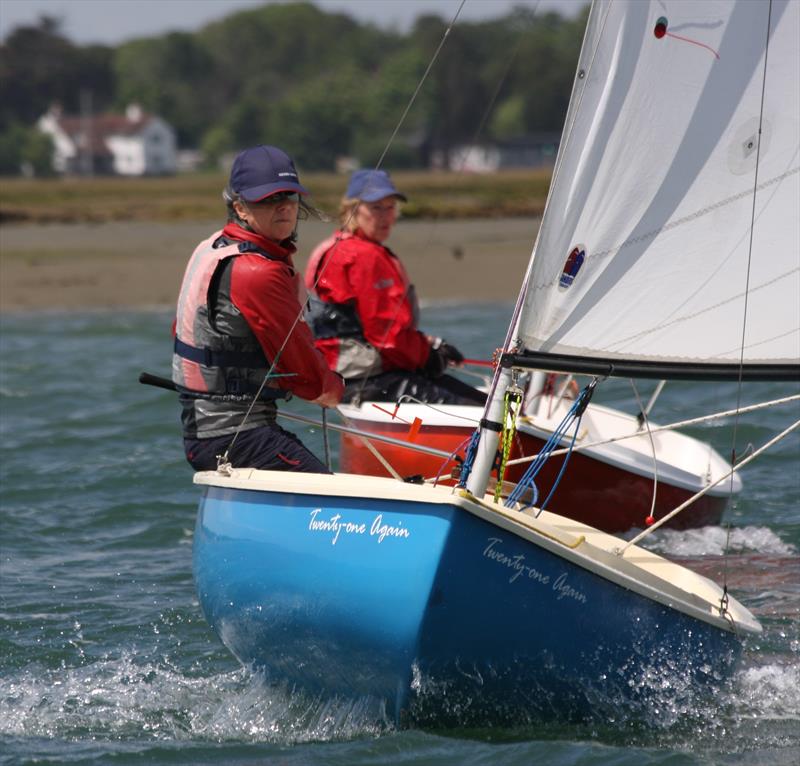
{"x":105,"y":657}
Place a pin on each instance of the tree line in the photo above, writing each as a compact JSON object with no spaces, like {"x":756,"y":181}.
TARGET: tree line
{"x":319,"y":84}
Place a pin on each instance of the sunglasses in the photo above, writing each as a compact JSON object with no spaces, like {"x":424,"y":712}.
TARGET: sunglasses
{"x":278,"y":197}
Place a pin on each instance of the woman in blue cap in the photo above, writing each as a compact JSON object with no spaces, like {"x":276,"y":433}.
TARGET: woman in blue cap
{"x":364,"y":311}
{"x":238,"y":343}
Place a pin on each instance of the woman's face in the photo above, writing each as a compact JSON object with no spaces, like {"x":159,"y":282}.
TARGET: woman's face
{"x":375,"y":219}
{"x":274,"y":217}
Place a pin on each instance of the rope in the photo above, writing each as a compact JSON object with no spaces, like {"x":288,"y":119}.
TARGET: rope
{"x":573,"y":416}
{"x":746,"y":297}
{"x":450,"y":457}
{"x":469,"y":458}
{"x":703,"y":491}
{"x":643,"y":412}
{"x":669,"y":427}
{"x":511,"y":404}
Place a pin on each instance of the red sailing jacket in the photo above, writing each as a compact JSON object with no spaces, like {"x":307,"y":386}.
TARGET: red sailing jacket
{"x":269,"y":295}
{"x":369,"y":278}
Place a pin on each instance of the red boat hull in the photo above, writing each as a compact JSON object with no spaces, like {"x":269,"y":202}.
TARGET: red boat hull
{"x":591,"y":491}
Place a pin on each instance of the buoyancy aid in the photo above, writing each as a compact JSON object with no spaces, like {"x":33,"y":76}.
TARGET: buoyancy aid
{"x":366,"y":320}
{"x":328,"y":319}
{"x":218,"y":364}
{"x":338,"y":324}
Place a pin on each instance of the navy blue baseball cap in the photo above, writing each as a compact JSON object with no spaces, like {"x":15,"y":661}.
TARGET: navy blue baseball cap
{"x":372,"y":185}
{"x":261,"y":171}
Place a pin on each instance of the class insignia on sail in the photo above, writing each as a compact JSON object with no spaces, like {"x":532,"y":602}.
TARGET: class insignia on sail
{"x":572,"y":266}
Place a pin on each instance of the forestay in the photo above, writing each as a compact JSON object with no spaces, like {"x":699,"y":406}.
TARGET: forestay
{"x":670,"y":238}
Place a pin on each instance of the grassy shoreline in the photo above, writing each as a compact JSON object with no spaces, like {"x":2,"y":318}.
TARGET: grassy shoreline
{"x":196,"y":197}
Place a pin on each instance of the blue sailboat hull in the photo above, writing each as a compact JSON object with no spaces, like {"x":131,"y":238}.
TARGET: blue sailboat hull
{"x":442,"y":615}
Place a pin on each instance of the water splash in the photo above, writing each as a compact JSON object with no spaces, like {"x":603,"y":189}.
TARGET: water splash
{"x":713,"y":541}
{"x":125,"y":699}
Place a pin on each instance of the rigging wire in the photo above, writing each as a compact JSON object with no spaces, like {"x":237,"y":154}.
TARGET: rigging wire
{"x":223,"y":459}
{"x":775,"y":439}
{"x":747,"y":288}
{"x":646,"y":421}
{"x":379,"y":163}
{"x":476,"y":133}
{"x":668,"y":427}
{"x":478,"y":130}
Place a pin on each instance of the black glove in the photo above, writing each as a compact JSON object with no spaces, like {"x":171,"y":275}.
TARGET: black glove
{"x":436,"y":364}
{"x":450,"y":353}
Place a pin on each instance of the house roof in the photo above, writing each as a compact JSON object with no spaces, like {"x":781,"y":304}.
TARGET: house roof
{"x":101,"y":127}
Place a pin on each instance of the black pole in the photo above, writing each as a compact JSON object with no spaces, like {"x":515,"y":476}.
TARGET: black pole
{"x":157,"y":381}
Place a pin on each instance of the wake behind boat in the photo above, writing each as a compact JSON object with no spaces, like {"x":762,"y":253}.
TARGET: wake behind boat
{"x":666,"y":250}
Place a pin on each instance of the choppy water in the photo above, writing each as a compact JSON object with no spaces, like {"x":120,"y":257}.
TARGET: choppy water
{"x":105,"y":657}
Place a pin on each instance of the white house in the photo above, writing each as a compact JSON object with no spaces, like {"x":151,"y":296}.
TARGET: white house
{"x":533,"y":151}
{"x":133,"y":144}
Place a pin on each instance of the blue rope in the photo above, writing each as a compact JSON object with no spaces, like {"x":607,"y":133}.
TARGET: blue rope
{"x":469,"y":458}
{"x":536,"y":465}
{"x":563,"y":466}
{"x":527,"y":481}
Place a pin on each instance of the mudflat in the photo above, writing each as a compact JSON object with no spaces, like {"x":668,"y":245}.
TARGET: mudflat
{"x":139,"y":264}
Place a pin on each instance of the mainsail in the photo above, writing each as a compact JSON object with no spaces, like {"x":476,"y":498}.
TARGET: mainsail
{"x":670,"y":242}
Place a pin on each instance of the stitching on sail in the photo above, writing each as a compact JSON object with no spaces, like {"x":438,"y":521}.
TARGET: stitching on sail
{"x":601,"y":254}
{"x":686,"y":317}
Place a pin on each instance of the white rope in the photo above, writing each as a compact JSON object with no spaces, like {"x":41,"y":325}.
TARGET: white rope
{"x":702,"y":492}
{"x":646,"y":421}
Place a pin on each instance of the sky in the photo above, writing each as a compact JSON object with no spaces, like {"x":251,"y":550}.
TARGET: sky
{"x":111,"y":22}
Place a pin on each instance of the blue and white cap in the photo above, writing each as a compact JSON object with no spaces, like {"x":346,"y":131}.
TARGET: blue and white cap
{"x":261,"y":171}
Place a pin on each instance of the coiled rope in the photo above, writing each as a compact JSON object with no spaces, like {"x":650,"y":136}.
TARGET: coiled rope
{"x":528,"y":480}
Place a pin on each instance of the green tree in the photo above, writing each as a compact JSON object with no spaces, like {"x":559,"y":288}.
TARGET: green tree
{"x":168,"y":76}
{"x":37,"y":153}
{"x":39,"y":66}
{"x":320,"y":84}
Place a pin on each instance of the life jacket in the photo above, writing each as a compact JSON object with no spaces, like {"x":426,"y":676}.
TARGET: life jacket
{"x":353,"y":356}
{"x":329,"y":320}
{"x":208,"y":361}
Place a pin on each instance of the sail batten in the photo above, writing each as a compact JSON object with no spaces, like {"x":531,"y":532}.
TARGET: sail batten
{"x":671,"y":232}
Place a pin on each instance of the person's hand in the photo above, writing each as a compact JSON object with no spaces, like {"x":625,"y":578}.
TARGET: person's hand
{"x":436,"y":364}
{"x":450,"y":353}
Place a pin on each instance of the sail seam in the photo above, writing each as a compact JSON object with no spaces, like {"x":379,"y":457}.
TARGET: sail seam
{"x":600,"y":254}
{"x":687,"y":317}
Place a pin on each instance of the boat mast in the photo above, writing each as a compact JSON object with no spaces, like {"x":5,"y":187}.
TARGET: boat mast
{"x":489,"y":434}
{"x":492,"y":422}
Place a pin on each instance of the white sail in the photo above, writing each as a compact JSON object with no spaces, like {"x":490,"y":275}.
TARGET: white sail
{"x":686,"y":223}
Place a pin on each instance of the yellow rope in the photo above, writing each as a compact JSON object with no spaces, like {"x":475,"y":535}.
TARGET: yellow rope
{"x":513,"y":397}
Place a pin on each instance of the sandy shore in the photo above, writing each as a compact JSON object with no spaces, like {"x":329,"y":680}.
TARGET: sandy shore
{"x":138,"y":265}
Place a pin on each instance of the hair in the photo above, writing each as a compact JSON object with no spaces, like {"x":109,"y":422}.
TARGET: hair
{"x":348,"y":208}
{"x":305,"y":211}
{"x":347,"y":213}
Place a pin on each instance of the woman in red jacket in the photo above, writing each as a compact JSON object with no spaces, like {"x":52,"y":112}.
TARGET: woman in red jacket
{"x":240,"y":343}
{"x":363,"y":310}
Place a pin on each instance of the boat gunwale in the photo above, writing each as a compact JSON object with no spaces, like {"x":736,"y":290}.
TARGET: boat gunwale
{"x":580,"y":544}
{"x":602,"y":453}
